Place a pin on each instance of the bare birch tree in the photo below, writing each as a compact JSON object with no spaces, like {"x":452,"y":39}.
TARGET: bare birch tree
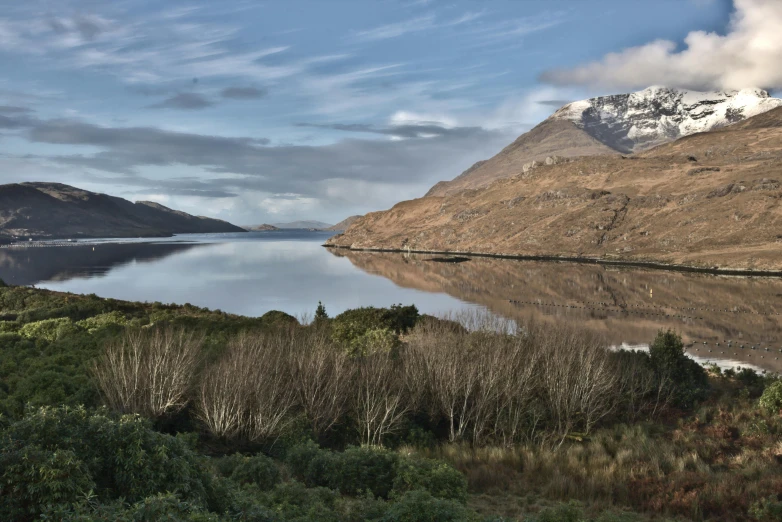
{"x":380,"y":403}
{"x":323,"y":379}
{"x":248,"y":391}
{"x":148,"y":372}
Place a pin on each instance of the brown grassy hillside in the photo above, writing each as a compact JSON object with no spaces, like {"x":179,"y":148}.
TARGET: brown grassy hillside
{"x":707,"y":200}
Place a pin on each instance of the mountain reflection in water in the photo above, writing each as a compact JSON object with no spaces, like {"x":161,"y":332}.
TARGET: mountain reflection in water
{"x":626,"y":305}
{"x":31,"y":265}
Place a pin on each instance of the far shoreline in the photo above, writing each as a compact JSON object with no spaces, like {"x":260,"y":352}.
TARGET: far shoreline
{"x":653,"y":265}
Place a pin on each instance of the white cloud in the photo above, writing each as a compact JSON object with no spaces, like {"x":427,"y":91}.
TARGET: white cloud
{"x":421,"y":23}
{"x":748,"y":55}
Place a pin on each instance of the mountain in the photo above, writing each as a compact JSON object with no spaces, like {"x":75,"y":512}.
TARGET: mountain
{"x":618,"y":124}
{"x":54,"y":210}
{"x":303,"y":224}
{"x":344,"y":224}
{"x":711,"y":199}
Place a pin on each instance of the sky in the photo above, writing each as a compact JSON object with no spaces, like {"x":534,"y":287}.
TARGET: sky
{"x":271,"y":111}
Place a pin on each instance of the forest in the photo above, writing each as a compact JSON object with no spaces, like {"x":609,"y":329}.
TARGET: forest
{"x":115,"y":410}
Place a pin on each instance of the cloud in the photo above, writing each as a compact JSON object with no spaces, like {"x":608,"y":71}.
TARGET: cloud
{"x":184,"y":101}
{"x":418,"y":130}
{"x":243,"y":93}
{"x":12,"y":117}
{"x":222,"y":166}
{"x":88,"y":26}
{"x":421,"y":23}
{"x":554,"y":103}
{"x":748,"y":55}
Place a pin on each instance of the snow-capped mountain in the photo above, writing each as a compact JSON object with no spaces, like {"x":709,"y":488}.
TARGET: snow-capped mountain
{"x":656,"y":115}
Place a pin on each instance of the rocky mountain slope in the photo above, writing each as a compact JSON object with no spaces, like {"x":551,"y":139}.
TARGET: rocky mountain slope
{"x":623,"y":123}
{"x":711,"y":199}
{"x":344,"y":224}
{"x":54,"y":210}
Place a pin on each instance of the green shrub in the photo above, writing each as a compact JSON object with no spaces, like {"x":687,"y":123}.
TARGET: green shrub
{"x":687,"y":378}
{"x":8,"y":326}
{"x":365,"y":469}
{"x":440,"y":479}
{"x":48,"y":329}
{"x":766,"y":510}
{"x":151,"y":509}
{"x":123,"y":455}
{"x":352,"y":328}
{"x":115,"y":318}
{"x":376,"y":340}
{"x":310,"y":464}
{"x":352,"y":472}
{"x":292,"y":501}
{"x":771,"y":400}
{"x":416,"y":506}
{"x":277,"y":319}
{"x":32,"y":479}
{"x":258,"y":469}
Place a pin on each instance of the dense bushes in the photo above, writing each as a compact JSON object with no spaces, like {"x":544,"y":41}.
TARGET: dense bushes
{"x":537,"y":412}
{"x":258,"y":470}
{"x":363,"y":330}
{"x":771,"y":400}
{"x":72,"y":464}
{"x":378,"y":471}
{"x":116,"y":457}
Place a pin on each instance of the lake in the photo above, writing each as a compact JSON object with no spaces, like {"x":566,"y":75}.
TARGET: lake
{"x":726,"y":319}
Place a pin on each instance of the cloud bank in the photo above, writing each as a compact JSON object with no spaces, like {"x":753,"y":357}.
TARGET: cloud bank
{"x":748,"y":55}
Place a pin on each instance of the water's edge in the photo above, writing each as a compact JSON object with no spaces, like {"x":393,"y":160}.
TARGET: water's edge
{"x":654,"y":265}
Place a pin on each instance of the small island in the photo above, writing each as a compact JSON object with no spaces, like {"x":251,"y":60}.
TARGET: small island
{"x":260,"y":228}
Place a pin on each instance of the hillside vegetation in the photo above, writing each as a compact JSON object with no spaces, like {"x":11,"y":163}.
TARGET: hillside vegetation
{"x":114,"y":410}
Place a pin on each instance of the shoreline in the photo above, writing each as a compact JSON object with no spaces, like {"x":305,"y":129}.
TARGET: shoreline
{"x":654,"y":265}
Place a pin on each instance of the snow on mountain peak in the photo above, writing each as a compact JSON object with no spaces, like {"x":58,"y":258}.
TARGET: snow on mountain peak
{"x":657,"y":114}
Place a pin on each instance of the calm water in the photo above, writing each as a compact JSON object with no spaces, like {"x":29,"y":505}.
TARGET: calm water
{"x":253,"y":273}
{"x":246,"y":274}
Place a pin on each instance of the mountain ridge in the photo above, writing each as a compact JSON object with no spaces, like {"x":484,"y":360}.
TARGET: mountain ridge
{"x":614,"y":124}
{"x":45,"y":210}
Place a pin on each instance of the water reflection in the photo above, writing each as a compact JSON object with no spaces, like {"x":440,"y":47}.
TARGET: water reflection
{"x":247,"y":274}
{"x":626,"y":305}
{"x":250,"y":274}
{"x":31,"y":265}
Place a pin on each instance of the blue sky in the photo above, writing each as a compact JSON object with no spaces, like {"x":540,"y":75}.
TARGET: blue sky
{"x":272,"y":111}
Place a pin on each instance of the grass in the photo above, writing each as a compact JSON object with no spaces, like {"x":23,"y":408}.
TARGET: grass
{"x":711,"y":465}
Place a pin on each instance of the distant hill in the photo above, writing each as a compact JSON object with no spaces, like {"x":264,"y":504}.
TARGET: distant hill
{"x":303,"y":224}
{"x":54,"y":210}
{"x":344,"y":224}
{"x":260,"y":228}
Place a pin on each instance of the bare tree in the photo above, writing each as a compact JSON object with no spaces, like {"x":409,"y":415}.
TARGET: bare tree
{"x":380,"y":403}
{"x":577,"y":380}
{"x":259,"y":398}
{"x":519,"y":371}
{"x":148,"y":372}
{"x":640,"y":390}
{"x":224,"y":393}
{"x":444,"y":362}
{"x":323,"y":378}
